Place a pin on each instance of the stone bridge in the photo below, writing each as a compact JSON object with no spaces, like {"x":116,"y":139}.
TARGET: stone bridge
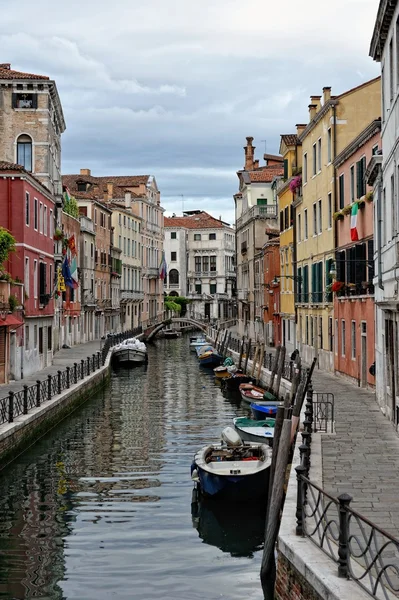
{"x":151,"y":332}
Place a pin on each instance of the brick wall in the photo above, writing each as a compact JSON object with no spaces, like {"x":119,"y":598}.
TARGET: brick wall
{"x":290,"y":584}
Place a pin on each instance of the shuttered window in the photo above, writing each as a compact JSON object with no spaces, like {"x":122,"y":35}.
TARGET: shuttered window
{"x":341,"y":191}
{"x":42,"y":282}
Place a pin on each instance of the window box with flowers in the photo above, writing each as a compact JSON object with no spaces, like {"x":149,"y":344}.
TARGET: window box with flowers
{"x":338,"y":216}
{"x":347,"y":209}
{"x":369,"y":196}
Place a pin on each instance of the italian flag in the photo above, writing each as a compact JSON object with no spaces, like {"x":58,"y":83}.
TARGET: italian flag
{"x":354,"y":232}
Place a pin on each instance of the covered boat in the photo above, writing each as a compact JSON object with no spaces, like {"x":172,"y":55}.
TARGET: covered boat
{"x":130,"y":352}
{"x":226,"y":370}
{"x":232,"y":470}
{"x":255,"y":431}
{"x":208,"y":357}
{"x":197,"y":341}
{"x":254,"y":393}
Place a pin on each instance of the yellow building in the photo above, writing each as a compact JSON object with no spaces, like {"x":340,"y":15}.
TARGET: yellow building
{"x":288,"y":189}
{"x":333,"y":123}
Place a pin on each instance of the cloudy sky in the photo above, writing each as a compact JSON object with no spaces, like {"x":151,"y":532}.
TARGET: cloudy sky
{"x":173,"y":87}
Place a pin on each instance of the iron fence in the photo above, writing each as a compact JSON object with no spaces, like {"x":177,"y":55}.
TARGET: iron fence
{"x":21,"y":402}
{"x":362,"y":551}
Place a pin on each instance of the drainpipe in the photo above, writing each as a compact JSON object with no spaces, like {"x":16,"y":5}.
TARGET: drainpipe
{"x":379,"y":230}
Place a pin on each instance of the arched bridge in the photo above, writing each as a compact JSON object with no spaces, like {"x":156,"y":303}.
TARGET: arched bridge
{"x":150,"y":333}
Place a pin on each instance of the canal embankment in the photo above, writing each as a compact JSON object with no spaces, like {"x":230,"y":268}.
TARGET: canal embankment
{"x":32,"y":406}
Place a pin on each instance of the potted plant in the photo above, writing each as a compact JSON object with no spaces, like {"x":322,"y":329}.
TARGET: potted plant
{"x":58,"y":235}
{"x":347,"y":209}
{"x":337,"y":286}
{"x":338,"y":216}
{"x":369,"y":196}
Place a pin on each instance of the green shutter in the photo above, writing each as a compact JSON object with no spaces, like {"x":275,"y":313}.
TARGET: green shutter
{"x":314,"y":282}
{"x":285,"y":169}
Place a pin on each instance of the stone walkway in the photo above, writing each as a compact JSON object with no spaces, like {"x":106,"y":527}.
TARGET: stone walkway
{"x":362,"y":458}
{"x":62,"y":358}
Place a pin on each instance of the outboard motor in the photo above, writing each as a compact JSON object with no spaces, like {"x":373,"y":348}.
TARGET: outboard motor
{"x":231,"y":438}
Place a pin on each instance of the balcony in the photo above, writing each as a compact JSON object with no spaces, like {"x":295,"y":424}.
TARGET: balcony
{"x":88,"y":298}
{"x":258,"y":212}
{"x":199,"y":274}
{"x":86,"y":224}
{"x":151,"y":272}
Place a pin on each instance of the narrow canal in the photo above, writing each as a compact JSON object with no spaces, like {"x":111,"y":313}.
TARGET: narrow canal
{"x":101,"y":507}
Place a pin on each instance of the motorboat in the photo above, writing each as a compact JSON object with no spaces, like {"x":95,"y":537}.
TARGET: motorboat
{"x":197,"y":342}
{"x":130,"y":352}
{"x":250,"y":430}
{"x":208,"y":357}
{"x":263,"y":410}
{"x":233,"y":382}
{"x":232,"y":470}
{"x":254,"y":393}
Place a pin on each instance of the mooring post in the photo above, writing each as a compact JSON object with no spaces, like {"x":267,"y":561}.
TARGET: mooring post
{"x":343,"y":546}
{"x":300,"y":472}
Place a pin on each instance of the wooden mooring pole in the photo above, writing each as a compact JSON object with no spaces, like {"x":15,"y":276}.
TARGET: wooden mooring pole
{"x":241,"y":352}
{"x":247,"y":356}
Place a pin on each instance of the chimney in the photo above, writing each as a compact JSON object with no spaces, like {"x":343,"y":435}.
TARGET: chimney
{"x":300,"y":128}
{"x":6,"y":66}
{"x":128,"y":199}
{"x":316,"y":101}
{"x":256,"y":164}
{"x":249,"y":154}
{"x":85,"y":172}
{"x":110,"y":190}
{"x":326,"y":94}
{"x":312,"y":111}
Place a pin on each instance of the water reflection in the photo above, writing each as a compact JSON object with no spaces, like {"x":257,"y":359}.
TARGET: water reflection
{"x":100,"y":507}
{"x":233,"y":529}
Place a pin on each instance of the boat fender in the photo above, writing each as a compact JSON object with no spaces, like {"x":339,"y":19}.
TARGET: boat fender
{"x":194,"y":475}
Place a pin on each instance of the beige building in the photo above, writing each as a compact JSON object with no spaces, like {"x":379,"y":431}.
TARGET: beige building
{"x":334,"y":121}
{"x":87,"y":277}
{"x":127,"y":237}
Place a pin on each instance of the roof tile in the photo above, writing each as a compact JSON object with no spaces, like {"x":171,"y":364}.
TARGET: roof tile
{"x":7,"y":73}
{"x":200,"y":220}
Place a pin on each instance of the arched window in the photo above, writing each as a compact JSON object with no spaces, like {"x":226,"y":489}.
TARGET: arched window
{"x":24,"y":152}
{"x":174,"y":293}
{"x":173,"y":277}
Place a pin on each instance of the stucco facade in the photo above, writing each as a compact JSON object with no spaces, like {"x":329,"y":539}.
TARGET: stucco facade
{"x":354,"y":311}
{"x":333,"y":124}
{"x":383,"y":174}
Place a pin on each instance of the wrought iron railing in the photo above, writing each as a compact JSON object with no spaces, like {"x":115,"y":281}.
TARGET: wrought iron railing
{"x":363,"y":551}
{"x":29,"y":397}
{"x":323,"y":412}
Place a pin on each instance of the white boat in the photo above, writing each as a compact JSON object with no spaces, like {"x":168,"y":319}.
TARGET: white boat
{"x":233,"y":470}
{"x":197,"y":342}
{"x":130,"y":352}
{"x":255,"y":431}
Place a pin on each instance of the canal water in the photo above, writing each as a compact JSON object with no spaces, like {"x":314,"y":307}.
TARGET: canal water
{"x":101,"y":507}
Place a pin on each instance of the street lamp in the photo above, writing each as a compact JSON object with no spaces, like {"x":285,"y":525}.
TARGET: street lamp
{"x":276,"y":278}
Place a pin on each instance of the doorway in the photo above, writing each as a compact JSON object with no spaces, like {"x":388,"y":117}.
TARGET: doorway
{"x":207,"y":310}
{"x":363,"y":370}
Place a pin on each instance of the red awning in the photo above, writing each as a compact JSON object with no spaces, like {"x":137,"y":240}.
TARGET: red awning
{"x":10,"y":321}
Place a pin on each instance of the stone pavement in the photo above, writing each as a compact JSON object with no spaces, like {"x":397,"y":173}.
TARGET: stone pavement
{"x":61,"y":359}
{"x":362,"y":458}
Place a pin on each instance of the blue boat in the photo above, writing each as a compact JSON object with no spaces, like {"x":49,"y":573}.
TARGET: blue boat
{"x":208,"y":357}
{"x":233,"y":470}
{"x":262,"y":411}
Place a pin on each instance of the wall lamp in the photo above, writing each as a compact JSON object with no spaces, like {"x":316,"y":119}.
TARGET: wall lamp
{"x":333,"y":267}
{"x":276,"y":278}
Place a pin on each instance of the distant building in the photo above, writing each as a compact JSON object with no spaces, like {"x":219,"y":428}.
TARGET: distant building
{"x":256,"y":213}
{"x":383,"y":174}
{"x":200,"y":253}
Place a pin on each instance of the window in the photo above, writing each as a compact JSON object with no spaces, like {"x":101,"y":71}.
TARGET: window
{"x":27,"y":208}
{"x":299,"y":228}
{"x":353,"y":340}
{"x":360,"y":172}
{"x":286,"y":218}
{"x":23,"y":100}
{"x":330,"y":335}
{"x":336,"y":336}
{"x":319,"y":155}
{"x":341,"y":191}
{"x":40,"y":340}
{"x":299,"y":285}
{"x":173,"y":277}
{"x":197,"y":237}
{"x":26,"y":275}
{"x":306,"y":330}
{"x":45,"y":220}
{"x":311,"y":331}
{"x":173,"y":235}
{"x":212,"y":236}
{"x":321,"y":333}
{"x":26,"y":337}
{"x":320,"y":216}
{"x":391,"y":82}
{"x":305,"y":295}
{"x":197,"y":261}
{"x":173,"y":256}
{"x":198,"y":288}
{"x":315,"y":227}
{"x":212,"y":262}
{"x":329,"y":145}
{"x":82,"y":186}
{"x":330,"y":212}
{"x":42,"y":282}
{"x":50,"y":338}
{"x":314,"y":171}
{"x":305,"y":168}
{"x":212,"y":288}
{"x":40,"y":218}
{"x":35,"y":279}
{"x":343,"y":347}
{"x":281,"y":220}
{"x":305,"y":214}
{"x":393,"y":208}
{"x":24,"y":152}
{"x":352,"y":183}
{"x":205,"y":264}
{"x":36,"y":215}
{"x":35,"y":337}
{"x":51,"y":225}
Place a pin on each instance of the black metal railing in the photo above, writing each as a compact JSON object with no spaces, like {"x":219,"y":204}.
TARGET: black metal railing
{"x":363,"y":551}
{"x":323,"y":412}
{"x":21,"y":402}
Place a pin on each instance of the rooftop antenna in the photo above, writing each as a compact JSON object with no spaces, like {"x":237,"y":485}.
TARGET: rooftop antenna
{"x":265,"y":142}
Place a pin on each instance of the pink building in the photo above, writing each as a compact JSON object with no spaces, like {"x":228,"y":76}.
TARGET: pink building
{"x":352,"y":278}
{"x":27,"y":211}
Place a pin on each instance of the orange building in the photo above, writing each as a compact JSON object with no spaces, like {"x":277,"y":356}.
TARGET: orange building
{"x":271,"y":287}
{"x":352,"y":275}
